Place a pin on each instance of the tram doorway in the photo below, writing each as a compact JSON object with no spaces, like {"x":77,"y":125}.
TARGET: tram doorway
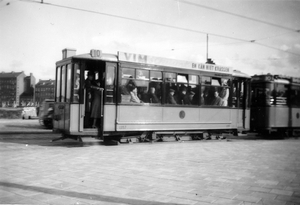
{"x":92,"y":108}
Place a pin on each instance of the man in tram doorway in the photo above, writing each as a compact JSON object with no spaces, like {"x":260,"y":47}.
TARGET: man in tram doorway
{"x":96,"y":105}
{"x":88,"y":83}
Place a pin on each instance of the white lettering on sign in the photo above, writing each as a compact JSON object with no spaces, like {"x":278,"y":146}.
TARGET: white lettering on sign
{"x":138,"y":58}
{"x":96,"y":53}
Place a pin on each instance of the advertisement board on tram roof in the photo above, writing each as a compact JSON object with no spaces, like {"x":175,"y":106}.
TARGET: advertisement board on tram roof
{"x":145,"y":59}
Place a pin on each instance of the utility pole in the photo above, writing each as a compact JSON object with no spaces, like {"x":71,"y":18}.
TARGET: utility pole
{"x":206,"y":47}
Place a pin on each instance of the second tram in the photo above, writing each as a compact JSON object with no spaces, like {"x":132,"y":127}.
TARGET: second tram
{"x":275,"y":105}
{"x":111,"y":96}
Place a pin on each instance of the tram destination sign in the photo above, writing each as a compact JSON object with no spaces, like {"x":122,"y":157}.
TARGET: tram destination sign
{"x":145,"y":59}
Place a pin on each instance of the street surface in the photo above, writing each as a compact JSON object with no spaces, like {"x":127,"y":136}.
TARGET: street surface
{"x":34,"y":170}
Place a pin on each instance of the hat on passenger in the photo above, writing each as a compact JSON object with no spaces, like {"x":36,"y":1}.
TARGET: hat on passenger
{"x":192,"y":93}
{"x":171,"y":90}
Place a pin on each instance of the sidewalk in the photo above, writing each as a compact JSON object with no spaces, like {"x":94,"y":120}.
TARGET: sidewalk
{"x":15,"y":126}
{"x":34,"y":170}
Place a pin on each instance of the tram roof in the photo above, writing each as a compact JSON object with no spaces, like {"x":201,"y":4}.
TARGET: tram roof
{"x":104,"y":57}
{"x":150,"y":60}
{"x":276,"y":78}
{"x":237,"y":73}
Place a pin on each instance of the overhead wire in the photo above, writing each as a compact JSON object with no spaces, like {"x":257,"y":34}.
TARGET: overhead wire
{"x":238,"y":15}
{"x":160,"y":24}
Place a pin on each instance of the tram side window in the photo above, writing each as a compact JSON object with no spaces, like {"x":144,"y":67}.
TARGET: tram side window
{"x":261,"y":94}
{"x":135,"y":86}
{"x":58,"y":80}
{"x":68,"y":83}
{"x":181,"y":89}
{"x":76,"y":84}
{"x":295,"y":96}
{"x":110,"y":84}
{"x":281,"y":94}
{"x":214,"y":91}
{"x":171,"y":88}
{"x":155,"y":87}
{"x":63,"y":84}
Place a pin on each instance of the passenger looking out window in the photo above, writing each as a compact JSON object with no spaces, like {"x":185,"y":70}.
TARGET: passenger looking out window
{"x":189,"y":98}
{"x":133,"y":94}
{"x":152,"y":96}
{"x":216,"y":100}
{"x":181,"y":96}
{"x":224,"y":93}
{"x":171,"y":98}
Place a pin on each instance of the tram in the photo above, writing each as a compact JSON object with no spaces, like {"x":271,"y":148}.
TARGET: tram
{"x":275,"y":104}
{"x":113,"y":96}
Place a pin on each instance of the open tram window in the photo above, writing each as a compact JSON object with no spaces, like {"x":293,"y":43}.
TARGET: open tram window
{"x":135,"y":86}
{"x":214,"y":91}
{"x":155,"y":87}
{"x":171,"y":88}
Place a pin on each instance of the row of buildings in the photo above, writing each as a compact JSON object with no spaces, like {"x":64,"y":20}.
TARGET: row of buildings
{"x":17,"y":89}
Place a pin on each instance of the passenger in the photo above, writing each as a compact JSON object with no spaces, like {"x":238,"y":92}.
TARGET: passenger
{"x":188,"y":99}
{"x":87,"y":86}
{"x":224,"y":94}
{"x":133,"y":93}
{"x":216,"y":100}
{"x":145,"y":96}
{"x":202,"y":101}
{"x":96,"y":112}
{"x":171,"y":99}
{"x":152,"y":96}
{"x":181,"y":96}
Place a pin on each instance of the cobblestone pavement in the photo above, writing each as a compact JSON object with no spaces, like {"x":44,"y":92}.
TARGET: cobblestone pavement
{"x":34,"y":170}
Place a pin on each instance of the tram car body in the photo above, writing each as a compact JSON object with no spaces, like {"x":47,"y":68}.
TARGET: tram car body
{"x":145,"y":94}
{"x":275,"y":104}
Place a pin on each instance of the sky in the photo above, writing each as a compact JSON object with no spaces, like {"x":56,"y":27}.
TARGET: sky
{"x":253,"y":36}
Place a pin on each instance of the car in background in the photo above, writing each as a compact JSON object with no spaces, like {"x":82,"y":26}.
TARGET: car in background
{"x":29,"y":113}
{"x":46,"y":113}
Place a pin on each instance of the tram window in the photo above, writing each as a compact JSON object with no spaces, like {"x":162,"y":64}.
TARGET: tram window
{"x":128,"y":73}
{"x":182,"y":78}
{"x":215,"y":81}
{"x":214,"y":91}
{"x":281,"y":94}
{"x":155,"y":76}
{"x":142,"y":74}
{"x":110,"y":84}
{"x":261,"y":94}
{"x":295,"y":96}
{"x":58,"y":75}
{"x":76,"y":83}
{"x":155,"y":87}
{"x":68,"y":88}
{"x":205,"y":80}
{"x":170,"y":77}
{"x":63,"y":84}
{"x":193,"y":79}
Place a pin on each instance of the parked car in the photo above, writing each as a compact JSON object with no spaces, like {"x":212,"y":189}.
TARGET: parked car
{"x":46,"y":113}
{"x":29,"y":113}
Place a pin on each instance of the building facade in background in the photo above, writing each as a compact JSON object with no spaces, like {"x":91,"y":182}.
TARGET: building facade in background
{"x":11,"y":87}
{"x":44,"y":89}
{"x":27,"y":98}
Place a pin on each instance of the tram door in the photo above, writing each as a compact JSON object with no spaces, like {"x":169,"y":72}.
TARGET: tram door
{"x":240,"y":101}
{"x":91,"y":109}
